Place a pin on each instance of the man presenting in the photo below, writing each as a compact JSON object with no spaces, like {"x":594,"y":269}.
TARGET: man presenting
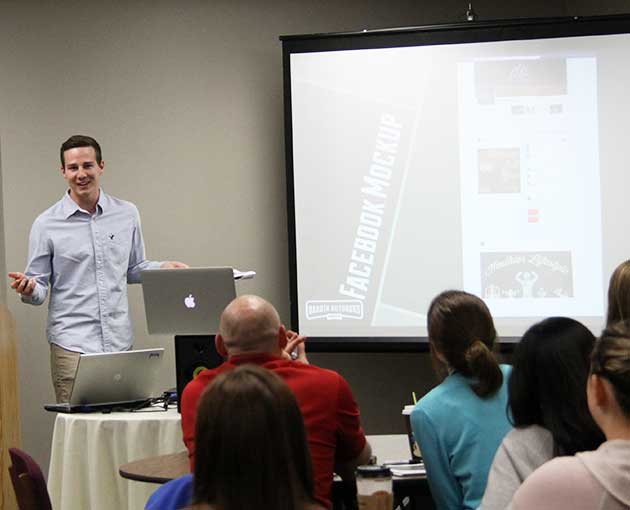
{"x":250,"y":331}
{"x":87,"y":247}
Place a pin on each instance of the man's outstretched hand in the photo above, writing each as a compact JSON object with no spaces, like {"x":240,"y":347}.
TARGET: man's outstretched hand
{"x":22,"y":284}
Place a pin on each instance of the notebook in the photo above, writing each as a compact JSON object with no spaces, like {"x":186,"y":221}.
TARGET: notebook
{"x":186,"y":301}
{"x":114,"y":379}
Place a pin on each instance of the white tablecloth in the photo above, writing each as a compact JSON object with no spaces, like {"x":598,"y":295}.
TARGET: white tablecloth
{"x":88,"y":449}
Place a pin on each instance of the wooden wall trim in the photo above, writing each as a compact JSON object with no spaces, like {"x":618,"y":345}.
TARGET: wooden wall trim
{"x":9,"y":404}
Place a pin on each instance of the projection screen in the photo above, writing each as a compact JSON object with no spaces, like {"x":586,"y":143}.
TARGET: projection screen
{"x":489,"y":157}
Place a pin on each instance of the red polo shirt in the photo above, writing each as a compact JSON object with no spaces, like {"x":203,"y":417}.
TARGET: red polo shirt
{"x":331,"y":415}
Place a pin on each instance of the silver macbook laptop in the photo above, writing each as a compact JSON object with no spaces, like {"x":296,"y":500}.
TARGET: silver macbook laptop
{"x":113,"y":379}
{"x":186,"y":301}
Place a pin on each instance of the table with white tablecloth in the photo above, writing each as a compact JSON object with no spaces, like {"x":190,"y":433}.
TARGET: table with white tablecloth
{"x":88,"y":449}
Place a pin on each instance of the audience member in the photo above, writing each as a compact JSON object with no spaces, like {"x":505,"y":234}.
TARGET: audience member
{"x":251,"y":449}
{"x":598,"y":480}
{"x":547,"y":404}
{"x":250,"y":331}
{"x":619,"y":294}
{"x":460,"y":423}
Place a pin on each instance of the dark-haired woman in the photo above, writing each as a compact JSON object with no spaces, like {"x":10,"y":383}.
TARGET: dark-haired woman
{"x":547,"y":403}
{"x":598,"y":480}
{"x":460,"y":423}
{"x":251,"y":449}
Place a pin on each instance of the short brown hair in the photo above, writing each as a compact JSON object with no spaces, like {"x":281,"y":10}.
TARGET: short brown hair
{"x":76,"y":141}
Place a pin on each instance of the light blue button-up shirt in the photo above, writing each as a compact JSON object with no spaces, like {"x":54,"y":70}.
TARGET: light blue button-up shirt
{"x":87,"y":259}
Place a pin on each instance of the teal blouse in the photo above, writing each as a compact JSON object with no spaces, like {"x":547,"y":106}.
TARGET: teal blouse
{"x":459,"y":434}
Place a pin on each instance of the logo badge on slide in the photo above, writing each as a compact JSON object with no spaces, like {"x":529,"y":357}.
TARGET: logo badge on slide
{"x":189,"y":301}
{"x":334,"y":309}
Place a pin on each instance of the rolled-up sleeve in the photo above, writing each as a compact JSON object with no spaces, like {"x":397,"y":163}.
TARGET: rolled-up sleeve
{"x":39,"y":264}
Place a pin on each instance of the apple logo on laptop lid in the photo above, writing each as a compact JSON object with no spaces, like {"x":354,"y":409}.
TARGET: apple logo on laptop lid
{"x":189,"y":301}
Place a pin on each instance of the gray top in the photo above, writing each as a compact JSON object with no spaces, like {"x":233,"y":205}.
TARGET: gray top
{"x":521,"y":452}
{"x":588,"y":481}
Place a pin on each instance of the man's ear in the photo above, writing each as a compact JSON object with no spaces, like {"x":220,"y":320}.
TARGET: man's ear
{"x":220,"y":345}
{"x":282,"y":337}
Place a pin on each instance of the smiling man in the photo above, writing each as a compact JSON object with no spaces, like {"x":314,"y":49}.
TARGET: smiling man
{"x":86,"y":248}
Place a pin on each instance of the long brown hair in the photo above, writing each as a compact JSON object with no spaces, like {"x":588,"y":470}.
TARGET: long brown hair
{"x":251,"y":449}
{"x":619,"y":294}
{"x":461,"y":330}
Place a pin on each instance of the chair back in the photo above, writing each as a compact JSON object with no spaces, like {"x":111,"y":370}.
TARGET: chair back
{"x":28,"y":480}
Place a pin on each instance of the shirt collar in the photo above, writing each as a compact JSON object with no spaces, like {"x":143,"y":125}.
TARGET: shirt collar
{"x":257,"y":358}
{"x":70,"y":207}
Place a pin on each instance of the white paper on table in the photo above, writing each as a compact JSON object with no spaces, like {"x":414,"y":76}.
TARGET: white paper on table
{"x":408,"y":469}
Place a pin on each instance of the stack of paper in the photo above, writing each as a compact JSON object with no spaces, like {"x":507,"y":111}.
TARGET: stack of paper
{"x":408,"y":469}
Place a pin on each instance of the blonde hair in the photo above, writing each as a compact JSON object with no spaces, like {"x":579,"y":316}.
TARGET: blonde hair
{"x":611,"y":359}
{"x":619,"y":294}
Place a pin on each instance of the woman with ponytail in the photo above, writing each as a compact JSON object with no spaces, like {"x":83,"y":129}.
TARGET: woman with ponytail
{"x":460,"y":423}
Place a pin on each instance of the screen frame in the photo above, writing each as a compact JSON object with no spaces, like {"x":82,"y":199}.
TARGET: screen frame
{"x":426,"y":35}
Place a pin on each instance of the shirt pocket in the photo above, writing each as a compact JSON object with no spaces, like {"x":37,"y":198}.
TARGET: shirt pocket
{"x":70,"y":261}
{"x":118,"y":245}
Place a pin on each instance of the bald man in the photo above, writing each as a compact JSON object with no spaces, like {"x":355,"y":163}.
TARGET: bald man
{"x":250,"y":331}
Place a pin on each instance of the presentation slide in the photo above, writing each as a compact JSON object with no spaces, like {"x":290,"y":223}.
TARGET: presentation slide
{"x":498,"y":168}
